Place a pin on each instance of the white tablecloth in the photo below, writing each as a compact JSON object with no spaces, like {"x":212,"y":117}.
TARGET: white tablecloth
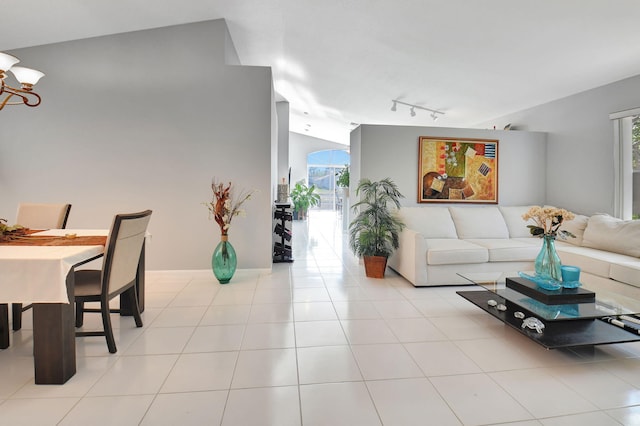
{"x":38,"y":273}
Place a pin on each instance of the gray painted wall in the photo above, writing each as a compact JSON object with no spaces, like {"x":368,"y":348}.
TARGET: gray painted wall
{"x":579,"y":162}
{"x":145,"y":120}
{"x":378,"y":152}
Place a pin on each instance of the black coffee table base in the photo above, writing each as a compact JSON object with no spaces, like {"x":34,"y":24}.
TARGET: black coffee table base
{"x":556,"y":334}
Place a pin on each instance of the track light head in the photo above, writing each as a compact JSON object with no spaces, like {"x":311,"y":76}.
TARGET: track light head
{"x":413,"y":112}
{"x":394,"y":107}
{"x":434,"y":116}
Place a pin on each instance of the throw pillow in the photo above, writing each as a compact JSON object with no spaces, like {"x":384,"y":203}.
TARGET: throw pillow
{"x":608,"y":233}
{"x":479,"y":222}
{"x":577,"y":227}
{"x":431,"y":222}
{"x":515,"y":223}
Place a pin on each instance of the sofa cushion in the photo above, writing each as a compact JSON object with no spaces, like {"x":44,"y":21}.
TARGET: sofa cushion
{"x":626,"y":272}
{"x":509,"y":250}
{"x":592,"y":261}
{"x":516,"y":225}
{"x":536,"y":241}
{"x":608,"y":233}
{"x":452,"y":251}
{"x":479,"y":222}
{"x":431,"y":222}
{"x":577,"y":227}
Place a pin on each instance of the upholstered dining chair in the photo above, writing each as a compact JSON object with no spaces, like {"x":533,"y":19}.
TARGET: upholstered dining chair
{"x":117,"y":276}
{"x":38,"y":216}
{"x":43,"y":216}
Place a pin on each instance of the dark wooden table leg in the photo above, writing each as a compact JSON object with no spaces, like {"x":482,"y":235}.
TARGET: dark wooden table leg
{"x":54,"y":340}
{"x":4,"y":326}
{"x":125,"y":309}
{"x":16,"y":316}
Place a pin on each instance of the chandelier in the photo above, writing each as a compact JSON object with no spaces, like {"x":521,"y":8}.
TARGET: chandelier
{"x":25,"y":76}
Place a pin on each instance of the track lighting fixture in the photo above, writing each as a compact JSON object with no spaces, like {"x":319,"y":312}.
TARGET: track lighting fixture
{"x":412,"y":110}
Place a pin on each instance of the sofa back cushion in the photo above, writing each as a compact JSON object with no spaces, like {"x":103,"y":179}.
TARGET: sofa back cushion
{"x":516,"y":225}
{"x":479,"y":222}
{"x":577,"y":227}
{"x":431,"y":222}
{"x":611,"y":234}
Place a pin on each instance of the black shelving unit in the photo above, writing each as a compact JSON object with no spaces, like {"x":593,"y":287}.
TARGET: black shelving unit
{"x":282,"y":220}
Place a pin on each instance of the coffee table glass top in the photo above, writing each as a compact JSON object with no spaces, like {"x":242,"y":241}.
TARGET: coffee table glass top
{"x":607,"y":301}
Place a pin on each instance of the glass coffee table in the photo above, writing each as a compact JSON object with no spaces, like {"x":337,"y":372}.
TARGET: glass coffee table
{"x":585,"y":316}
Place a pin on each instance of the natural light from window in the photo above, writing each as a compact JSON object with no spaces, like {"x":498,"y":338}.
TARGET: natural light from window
{"x":635,"y":161}
{"x":322,"y":167}
{"x":626,"y":159}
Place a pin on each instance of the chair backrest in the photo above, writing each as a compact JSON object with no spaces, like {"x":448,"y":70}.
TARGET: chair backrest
{"x":43,"y":216}
{"x":124,"y":246}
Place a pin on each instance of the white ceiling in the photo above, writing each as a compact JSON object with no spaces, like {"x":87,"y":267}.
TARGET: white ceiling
{"x":340,"y":62}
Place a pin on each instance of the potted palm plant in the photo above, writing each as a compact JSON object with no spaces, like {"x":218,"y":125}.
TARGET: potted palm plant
{"x":342,"y":179}
{"x":374,"y":233}
{"x":303,"y":198}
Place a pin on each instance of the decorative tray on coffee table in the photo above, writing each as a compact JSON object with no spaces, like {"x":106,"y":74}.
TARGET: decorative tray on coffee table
{"x":561,"y":296}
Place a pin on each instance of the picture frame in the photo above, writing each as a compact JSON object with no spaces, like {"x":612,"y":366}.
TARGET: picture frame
{"x":457,"y":170}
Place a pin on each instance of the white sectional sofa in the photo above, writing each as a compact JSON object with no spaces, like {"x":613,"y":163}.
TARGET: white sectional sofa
{"x":606,"y":249}
{"x":439,"y":242}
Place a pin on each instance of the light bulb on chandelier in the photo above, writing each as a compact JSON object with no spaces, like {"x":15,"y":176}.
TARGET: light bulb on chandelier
{"x":27,"y":78}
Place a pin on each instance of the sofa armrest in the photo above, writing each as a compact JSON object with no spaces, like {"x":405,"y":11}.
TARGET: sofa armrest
{"x":410,"y":260}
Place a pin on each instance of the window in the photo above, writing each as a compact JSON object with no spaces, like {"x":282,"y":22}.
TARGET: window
{"x":626,"y":129}
{"x":635,"y":162}
{"x":322,"y":167}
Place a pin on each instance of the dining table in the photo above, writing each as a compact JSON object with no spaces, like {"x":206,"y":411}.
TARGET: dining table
{"x":39,"y":268}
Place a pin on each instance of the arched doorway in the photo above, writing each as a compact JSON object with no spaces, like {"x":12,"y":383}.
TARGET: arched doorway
{"x":322,"y":167}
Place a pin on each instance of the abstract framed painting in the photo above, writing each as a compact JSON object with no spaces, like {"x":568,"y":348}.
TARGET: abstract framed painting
{"x":457,"y":170}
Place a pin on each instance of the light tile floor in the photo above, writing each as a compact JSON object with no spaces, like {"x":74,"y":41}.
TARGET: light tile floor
{"x":316,"y":343}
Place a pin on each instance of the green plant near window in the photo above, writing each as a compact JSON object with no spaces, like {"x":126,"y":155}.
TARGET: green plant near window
{"x":342,"y":177}
{"x":375,"y":231}
{"x":303,"y":197}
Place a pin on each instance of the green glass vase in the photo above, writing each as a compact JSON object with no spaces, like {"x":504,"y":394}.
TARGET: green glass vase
{"x":224,"y":261}
{"x":547,"y":264}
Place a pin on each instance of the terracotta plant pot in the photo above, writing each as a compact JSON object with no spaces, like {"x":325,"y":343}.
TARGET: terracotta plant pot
{"x":374,"y":266}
